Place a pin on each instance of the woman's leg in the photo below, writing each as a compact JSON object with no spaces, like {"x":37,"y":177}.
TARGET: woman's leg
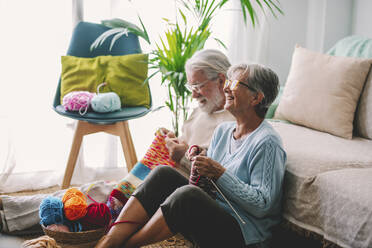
{"x":155,"y":230}
{"x":193,"y":213}
{"x":159,"y":184}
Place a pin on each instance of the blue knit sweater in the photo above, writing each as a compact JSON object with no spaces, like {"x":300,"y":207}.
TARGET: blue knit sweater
{"x":253,"y":178}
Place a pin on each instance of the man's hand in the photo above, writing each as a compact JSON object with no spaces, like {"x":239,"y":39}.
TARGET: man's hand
{"x":177,"y":149}
{"x":208,"y":167}
{"x":164,"y":131}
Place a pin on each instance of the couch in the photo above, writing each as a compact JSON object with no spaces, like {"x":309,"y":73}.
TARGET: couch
{"x":328,"y":180}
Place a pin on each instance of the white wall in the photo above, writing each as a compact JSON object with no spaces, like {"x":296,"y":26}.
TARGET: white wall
{"x":284,"y":33}
{"x":362,"y":13}
{"x":314,"y":24}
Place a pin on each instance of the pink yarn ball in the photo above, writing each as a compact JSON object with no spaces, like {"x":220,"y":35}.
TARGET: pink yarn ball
{"x":58,"y":228}
{"x":77,"y":100}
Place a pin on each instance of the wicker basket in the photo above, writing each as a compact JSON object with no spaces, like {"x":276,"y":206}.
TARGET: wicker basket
{"x":75,"y":239}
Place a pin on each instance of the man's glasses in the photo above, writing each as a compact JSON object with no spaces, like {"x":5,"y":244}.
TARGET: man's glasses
{"x":232,"y":84}
{"x":196,"y":87}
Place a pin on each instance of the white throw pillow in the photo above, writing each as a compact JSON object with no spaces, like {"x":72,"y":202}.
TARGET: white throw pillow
{"x":322,"y":91}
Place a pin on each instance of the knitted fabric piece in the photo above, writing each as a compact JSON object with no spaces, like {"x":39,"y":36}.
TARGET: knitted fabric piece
{"x":202,"y":182}
{"x":157,"y":154}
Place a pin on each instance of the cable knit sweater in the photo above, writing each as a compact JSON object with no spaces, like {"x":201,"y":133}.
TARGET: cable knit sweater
{"x":253,"y":178}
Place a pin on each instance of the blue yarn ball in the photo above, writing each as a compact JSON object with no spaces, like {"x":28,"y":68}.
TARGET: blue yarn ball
{"x":51,"y":211}
{"x":73,"y":226}
{"x":106,"y":102}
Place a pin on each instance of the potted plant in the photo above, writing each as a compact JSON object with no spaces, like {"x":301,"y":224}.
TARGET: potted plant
{"x":179,"y":42}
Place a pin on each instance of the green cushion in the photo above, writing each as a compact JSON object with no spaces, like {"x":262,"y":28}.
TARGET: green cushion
{"x":352,"y":46}
{"x":125,"y":75}
{"x":271,"y":111}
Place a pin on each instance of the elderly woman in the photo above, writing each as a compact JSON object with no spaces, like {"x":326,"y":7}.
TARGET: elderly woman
{"x":245,"y":160}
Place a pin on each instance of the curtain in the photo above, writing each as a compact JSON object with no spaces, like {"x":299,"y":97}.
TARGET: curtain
{"x":245,"y":43}
{"x":34,"y":140}
{"x":33,"y":137}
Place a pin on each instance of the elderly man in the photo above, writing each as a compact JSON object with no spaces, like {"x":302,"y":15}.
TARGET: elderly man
{"x":206,"y":74}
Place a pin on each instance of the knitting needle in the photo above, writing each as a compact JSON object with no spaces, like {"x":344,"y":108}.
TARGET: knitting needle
{"x":228,"y":202}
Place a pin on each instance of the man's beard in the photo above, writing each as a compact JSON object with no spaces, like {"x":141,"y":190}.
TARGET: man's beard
{"x":212,"y":104}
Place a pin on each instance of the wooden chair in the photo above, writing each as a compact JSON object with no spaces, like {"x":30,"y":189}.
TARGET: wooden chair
{"x":115,"y":123}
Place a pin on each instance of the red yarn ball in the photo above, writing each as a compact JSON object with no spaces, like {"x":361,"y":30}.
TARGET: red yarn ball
{"x":98,"y":215}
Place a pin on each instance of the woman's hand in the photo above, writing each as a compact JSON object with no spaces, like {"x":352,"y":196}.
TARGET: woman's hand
{"x":208,"y":167}
{"x":194,"y":151}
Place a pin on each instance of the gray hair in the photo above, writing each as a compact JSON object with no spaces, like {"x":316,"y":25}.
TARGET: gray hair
{"x":210,"y":61}
{"x":261,"y":79}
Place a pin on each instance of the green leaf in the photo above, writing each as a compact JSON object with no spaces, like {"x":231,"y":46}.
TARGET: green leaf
{"x":101,"y":39}
{"x":183,"y":16}
{"x":145,"y":34}
{"x":119,"y":23}
{"x":117,"y":36}
{"x":149,"y":77}
{"x":220,"y":42}
{"x":157,"y":108}
{"x":246,"y":5}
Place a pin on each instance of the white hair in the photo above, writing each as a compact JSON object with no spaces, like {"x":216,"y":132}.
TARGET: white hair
{"x":210,"y":61}
{"x":261,"y":79}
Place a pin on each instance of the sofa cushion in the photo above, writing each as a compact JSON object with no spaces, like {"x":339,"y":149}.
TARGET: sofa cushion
{"x":322,"y":91}
{"x":327,"y":180}
{"x":359,"y":47}
{"x":363,"y":117}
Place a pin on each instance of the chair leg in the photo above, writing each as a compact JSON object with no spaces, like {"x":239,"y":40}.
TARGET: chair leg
{"x":74,"y":152}
{"x":128,"y":146}
{"x":120,"y":129}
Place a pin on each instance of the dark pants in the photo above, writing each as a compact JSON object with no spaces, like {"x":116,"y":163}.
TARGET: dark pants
{"x":188,"y":210}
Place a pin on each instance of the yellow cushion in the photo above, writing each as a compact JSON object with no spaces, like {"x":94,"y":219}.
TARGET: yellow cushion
{"x":124,"y":75}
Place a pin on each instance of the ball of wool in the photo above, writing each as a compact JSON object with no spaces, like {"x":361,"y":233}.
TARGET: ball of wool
{"x":43,"y":241}
{"x":74,"y":226}
{"x":51,"y":211}
{"x":98,"y":216}
{"x":76,"y":100}
{"x":75,"y":204}
{"x":106,"y":102}
{"x":58,"y":228}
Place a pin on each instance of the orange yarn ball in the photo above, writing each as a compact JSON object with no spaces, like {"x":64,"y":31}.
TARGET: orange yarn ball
{"x":74,"y":204}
